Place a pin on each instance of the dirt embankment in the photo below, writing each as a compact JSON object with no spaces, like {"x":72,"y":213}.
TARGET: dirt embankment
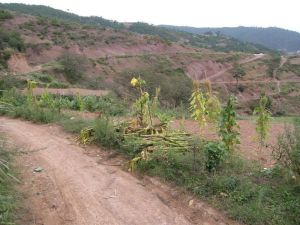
{"x":87,"y":187}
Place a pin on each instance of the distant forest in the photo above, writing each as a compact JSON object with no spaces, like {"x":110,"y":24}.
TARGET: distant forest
{"x":272,"y":37}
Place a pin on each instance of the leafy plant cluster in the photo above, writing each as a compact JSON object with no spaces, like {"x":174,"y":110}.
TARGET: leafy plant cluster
{"x":287,"y":150}
{"x":74,"y":66}
{"x":10,"y":41}
{"x":4,"y":15}
{"x":263,"y":118}
{"x":205,"y":107}
{"x":47,"y":107}
{"x":273,"y":64}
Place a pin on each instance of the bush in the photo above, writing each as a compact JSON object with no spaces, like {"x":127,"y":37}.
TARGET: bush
{"x":12,"y":40}
{"x":287,"y":150}
{"x":107,"y":105}
{"x":74,"y":125}
{"x":105,"y":134}
{"x":57,"y":84}
{"x":8,"y":82}
{"x":74,"y":66}
{"x":241,"y":88}
{"x":4,"y":15}
{"x":41,"y":77}
{"x":214,"y":153}
{"x":35,"y":114}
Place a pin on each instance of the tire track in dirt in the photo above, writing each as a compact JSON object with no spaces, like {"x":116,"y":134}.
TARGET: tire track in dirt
{"x":75,"y":189}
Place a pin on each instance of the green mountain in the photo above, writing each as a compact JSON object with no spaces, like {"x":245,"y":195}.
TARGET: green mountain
{"x":45,"y":11}
{"x":272,"y":37}
{"x":218,"y":43}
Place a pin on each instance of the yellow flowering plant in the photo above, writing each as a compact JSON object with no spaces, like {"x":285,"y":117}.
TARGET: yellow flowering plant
{"x":142,"y":104}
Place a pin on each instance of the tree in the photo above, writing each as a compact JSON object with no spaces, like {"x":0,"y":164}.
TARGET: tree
{"x":228,"y":126}
{"x":238,"y":72}
{"x":263,"y":119}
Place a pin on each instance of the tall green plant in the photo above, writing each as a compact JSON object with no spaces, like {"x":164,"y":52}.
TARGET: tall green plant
{"x":213,"y":105}
{"x":142,"y":105}
{"x":47,"y":100}
{"x":263,"y":120}
{"x":31,"y":85}
{"x":228,"y":126}
{"x":198,"y":107}
{"x":204,"y":105}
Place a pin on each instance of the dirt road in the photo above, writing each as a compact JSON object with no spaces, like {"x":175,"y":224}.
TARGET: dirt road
{"x":221,"y":72}
{"x":85,"y":187}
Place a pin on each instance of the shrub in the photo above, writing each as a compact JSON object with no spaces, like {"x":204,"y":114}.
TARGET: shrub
{"x":35,"y":114}
{"x":228,"y":126}
{"x":214,"y":153}
{"x":262,"y":121}
{"x":57,"y":84}
{"x":41,"y":77}
{"x":74,"y":125}
{"x":105,"y":133}
{"x":287,"y":150}
{"x":8,"y":82}
{"x":74,"y":66}
{"x":4,"y":15}
{"x":11,"y":39}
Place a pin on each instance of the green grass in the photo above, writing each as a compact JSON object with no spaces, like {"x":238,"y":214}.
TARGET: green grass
{"x":274,"y":119}
{"x":35,"y":114}
{"x":8,"y":197}
{"x":242,"y":189}
{"x":74,"y":125}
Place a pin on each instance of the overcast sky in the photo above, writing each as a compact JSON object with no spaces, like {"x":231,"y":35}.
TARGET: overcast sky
{"x":197,"y":13}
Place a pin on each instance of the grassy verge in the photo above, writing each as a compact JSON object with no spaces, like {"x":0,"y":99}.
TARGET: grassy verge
{"x":8,"y":198}
{"x":247,"y":192}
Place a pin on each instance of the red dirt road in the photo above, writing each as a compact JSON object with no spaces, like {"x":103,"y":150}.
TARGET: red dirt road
{"x":81,"y":186}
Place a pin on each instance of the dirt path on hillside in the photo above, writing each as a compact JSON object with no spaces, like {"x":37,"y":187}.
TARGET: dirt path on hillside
{"x":85,"y":187}
{"x":221,"y":72}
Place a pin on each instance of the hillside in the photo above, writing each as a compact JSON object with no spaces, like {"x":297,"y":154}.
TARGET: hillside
{"x":271,"y":37}
{"x":60,"y":54}
{"x":220,"y":43}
